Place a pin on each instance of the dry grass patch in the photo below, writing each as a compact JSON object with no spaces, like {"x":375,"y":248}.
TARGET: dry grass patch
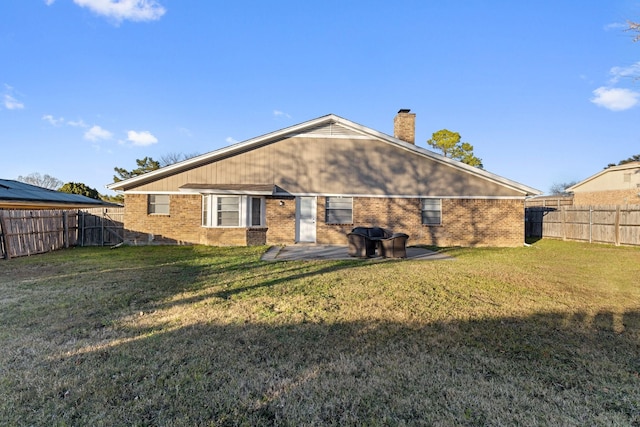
{"x":547,"y":334}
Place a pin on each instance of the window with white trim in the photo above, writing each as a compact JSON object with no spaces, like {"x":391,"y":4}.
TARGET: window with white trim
{"x":339,"y":210}
{"x":158,"y":204}
{"x":431,"y":211}
{"x":256,"y":209}
{"x":232,"y":211}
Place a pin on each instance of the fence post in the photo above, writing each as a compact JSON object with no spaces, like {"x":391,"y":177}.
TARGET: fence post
{"x":82,"y":227}
{"x":5,"y":239}
{"x":617,"y":226}
{"x":590,"y":223}
{"x":65,"y":229}
{"x":564,"y":223}
{"x":104,"y":214}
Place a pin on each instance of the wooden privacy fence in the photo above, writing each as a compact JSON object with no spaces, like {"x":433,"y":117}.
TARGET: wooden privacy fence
{"x":618,"y":225}
{"x":100,"y":226}
{"x":29,"y":232}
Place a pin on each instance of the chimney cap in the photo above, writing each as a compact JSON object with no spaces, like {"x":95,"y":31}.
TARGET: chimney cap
{"x":404,"y":110}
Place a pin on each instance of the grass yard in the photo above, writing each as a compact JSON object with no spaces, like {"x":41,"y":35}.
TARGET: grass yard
{"x":200,"y":336}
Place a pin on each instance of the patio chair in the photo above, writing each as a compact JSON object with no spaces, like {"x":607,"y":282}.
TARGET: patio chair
{"x":359,"y":245}
{"x":363,"y":241}
{"x":394,"y":246}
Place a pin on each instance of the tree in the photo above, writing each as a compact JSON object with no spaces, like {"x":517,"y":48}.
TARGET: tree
{"x":449,"y":143}
{"x":559,"y":188}
{"x":634,"y":158}
{"x":118,"y":198}
{"x":634,"y":26}
{"x":46,"y":181}
{"x":171,"y":158}
{"x":80,"y":188}
{"x":144,"y":165}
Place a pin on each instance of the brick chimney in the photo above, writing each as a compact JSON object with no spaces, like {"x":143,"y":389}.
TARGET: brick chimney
{"x":404,"y":126}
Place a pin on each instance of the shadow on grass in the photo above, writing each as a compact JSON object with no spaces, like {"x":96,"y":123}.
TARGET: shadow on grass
{"x":544,"y":369}
{"x":550,"y":368}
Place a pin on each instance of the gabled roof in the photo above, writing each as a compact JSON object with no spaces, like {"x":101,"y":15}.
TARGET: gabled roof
{"x":309,"y":126}
{"x":20,"y":195}
{"x":625,"y":166}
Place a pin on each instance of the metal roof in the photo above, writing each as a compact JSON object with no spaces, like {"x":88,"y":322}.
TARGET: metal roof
{"x":20,"y":195}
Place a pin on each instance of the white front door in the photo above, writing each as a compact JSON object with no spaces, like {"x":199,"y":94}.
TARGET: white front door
{"x":306,"y":219}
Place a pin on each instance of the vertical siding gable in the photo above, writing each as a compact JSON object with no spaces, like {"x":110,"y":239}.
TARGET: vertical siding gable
{"x":315,"y":164}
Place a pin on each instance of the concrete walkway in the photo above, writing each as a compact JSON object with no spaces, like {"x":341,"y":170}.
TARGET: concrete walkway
{"x":331,"y":252}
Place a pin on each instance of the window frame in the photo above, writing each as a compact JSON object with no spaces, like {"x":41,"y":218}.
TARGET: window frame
{"x":211,"y":211}
{"x":155,"y":206}
{"x":331,"y":216}
{"x":434,"y":206}
{"x":261,"y":211}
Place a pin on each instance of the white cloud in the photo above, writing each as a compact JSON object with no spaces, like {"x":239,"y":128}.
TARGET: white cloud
{"x":615,"y":26}
{"x":615,"y":99}
{"x":77,"y":123}
{"x":97,"y":133}
{"x":10,"y":103}
{"x":620,"y":72}
{"x":49,"y":2}
{"x":185,"y":131}
{"x":52,"y":120}
{"x":120,"y":10}
{"x":143,"y":138}
{"x":278,"y":113}
{"x":230,"y":140}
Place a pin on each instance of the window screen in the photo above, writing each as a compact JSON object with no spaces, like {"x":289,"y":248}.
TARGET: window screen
{"x":431,"y":211}
{"x":158,"y":204}
{"x":228,"y":210}
{"x":339,"y":210}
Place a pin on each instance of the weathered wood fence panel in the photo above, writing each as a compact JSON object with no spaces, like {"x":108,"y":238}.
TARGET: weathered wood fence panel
{"x":101,"y":226}
{"x":618,"y":225}
{"x":30,"y":232}
{"x":629,"y":226}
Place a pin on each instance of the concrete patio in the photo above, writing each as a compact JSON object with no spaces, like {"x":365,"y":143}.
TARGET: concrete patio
{"x":335,"y":252}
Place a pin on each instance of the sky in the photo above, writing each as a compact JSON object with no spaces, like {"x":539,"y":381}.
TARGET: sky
{"x":546,"y":91}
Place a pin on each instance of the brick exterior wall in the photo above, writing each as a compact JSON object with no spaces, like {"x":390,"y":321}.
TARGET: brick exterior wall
{"x":609,"y":197}
{"x":281,"y":220}
{"x":182,"y":225}
{"x":465,"y":222}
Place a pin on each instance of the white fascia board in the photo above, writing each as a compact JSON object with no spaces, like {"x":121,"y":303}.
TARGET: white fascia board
{"x":442,"y":159}
{"x":330,"y":118}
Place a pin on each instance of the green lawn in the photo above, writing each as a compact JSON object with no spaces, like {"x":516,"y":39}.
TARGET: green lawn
{"x":541,"y":335}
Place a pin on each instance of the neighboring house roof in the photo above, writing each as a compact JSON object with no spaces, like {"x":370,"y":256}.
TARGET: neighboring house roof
{"x":327,"y":125}
{"x":607,"y":179}
{"x":20,"y":195}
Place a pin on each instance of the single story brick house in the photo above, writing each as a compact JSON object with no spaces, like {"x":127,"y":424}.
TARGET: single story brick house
{"x":314,"y":181}
{"x":615,"y":185}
